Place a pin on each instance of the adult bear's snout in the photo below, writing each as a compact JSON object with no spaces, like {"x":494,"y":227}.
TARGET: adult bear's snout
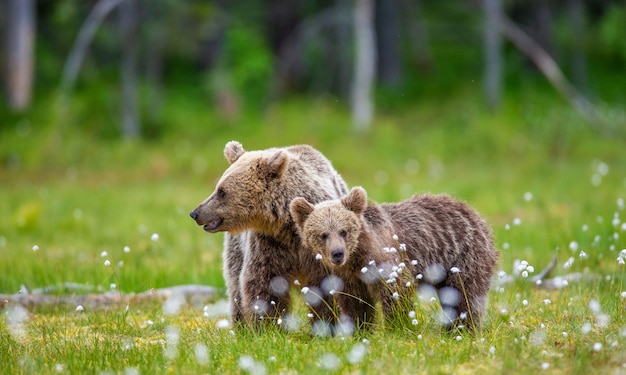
{"x":194,"y":215}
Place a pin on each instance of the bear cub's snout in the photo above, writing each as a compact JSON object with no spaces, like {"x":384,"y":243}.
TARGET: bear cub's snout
{"x":337,"y":256}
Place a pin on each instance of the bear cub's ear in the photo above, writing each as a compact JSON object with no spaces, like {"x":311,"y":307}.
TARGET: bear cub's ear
{"x":233,"y":150}
{"x":356,"y":200}
{"x":300,"y":210}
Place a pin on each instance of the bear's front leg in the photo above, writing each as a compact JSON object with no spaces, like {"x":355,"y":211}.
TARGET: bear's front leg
{"x":235,"y":246}
{"x":357,"y":303}
{"x":264,"y":285}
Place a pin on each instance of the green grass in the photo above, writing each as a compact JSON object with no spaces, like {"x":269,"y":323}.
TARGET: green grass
{"x":75,"y":196}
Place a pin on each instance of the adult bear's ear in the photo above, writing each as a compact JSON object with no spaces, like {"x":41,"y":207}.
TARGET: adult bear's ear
{"x":233,"y":150}
{"x":275,"y":166}
{"x":300,"y":210}
{"x":356,"y":200}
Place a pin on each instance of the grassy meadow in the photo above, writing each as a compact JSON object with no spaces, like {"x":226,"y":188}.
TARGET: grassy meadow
{"x":78,"y":206}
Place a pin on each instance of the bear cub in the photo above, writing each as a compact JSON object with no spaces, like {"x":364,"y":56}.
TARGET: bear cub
{"x":384,"y":250}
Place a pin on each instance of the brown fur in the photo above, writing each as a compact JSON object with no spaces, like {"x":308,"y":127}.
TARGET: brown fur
{"x":251,"y":203}
{"x":355,"y":240}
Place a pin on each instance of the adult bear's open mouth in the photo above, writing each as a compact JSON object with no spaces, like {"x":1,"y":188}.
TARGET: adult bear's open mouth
{"x":212,"y":226}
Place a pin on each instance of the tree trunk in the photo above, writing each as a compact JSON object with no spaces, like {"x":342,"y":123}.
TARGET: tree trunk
{"x":418,"y":34}
{"x":81,"y":44}
{"x":388,"y":43}
{"x":364,"y":64}
{"x":128,"y":29}
{"x":576,"y":17}
{"x":493,"y":52}
{"x":20,"y":33}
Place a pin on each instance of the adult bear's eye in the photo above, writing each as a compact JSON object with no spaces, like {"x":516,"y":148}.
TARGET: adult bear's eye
{"x":343,"y":234}
{"x":324,"y":236}
{"x":221,"y":193}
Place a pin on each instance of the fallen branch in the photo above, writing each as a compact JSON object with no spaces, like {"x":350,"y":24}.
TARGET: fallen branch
{"x":192,"y":294}
{"x":540,"y":280}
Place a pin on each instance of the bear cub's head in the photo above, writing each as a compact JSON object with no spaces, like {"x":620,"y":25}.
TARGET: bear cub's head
{"x":331,"y":228}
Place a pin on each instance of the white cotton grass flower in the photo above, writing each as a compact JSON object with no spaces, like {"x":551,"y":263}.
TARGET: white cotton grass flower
{"x":594,"y":306}
{"x":173,"y":304}
{"x":172,"y":337}
{"x":154,"y":237}
{"x":318,"y":256}
{"x":364,"y":270}
{"x":583,"y":255}
{"x":621,"y":257}
{"x":395,"y":237}
{"x":35,"y":248}
{"x":330,"y":361}
{"x":202,"y":354}
{"x":455,"y":270}
{"x":79,"y":308}
{"x":104,"y":254}
{"x":332,"y":284}
{"x":107,"y":262}
{"x":127,"y":249}
{"x":305,"y":290}
{"x":568,"y":263}
{"x":517,"y":221}
{"x":357,"y":353}
{"x":279,"y":285}
{"x":573,"y":245}
{"x":247,"y":363}
{"x":222,"y":324}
